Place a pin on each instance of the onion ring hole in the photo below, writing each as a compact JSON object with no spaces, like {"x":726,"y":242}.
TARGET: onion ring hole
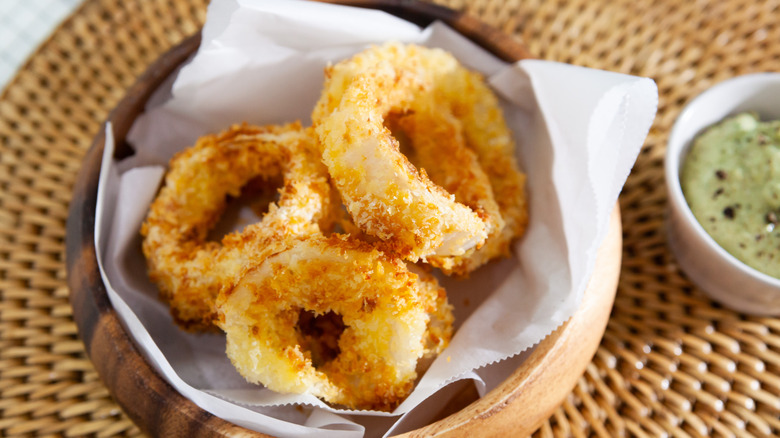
{"x":257,"y":195}
{"x":320,"y":335}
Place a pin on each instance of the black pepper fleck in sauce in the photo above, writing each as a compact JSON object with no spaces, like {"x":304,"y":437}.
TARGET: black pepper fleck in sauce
{"x":771,"y":218}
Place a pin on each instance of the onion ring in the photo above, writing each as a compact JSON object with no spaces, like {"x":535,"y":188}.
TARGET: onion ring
{"x":393,"y":318}
{"x":190,"y":270}
{"x":480,"y":170}
{"x":432,"y":134}
{"x":488,"y":135}
{"x":385,"y":194}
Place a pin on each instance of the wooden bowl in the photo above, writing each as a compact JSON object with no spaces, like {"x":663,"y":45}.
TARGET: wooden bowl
{"x":517,"y":406}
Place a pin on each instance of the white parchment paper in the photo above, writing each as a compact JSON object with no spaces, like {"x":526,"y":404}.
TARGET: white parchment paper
{"x":578,"y":133}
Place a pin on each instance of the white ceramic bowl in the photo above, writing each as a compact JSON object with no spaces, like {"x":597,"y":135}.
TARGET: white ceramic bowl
{"x":715,"y":271}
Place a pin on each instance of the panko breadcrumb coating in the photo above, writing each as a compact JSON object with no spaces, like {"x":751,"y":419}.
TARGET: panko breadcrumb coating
{"x":392,"y":318}
{"x":190,"y":270}
{"x":438,"y":148}
{"x":486,"y":133}
{"x":384,"y":193}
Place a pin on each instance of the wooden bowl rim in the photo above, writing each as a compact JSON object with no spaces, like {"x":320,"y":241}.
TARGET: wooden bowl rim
{"x":99,"y":325}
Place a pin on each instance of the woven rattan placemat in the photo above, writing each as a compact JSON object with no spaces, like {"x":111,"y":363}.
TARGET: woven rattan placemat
{"x":671,"y":361}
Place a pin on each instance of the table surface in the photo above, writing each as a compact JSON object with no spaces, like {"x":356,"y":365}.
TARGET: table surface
{"x":671,"y":361}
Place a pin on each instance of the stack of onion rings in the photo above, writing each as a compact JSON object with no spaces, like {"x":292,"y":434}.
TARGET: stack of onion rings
{"x":462,"y":207}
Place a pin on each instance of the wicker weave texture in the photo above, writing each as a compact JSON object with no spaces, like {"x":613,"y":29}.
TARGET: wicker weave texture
{"x":671,"y":362}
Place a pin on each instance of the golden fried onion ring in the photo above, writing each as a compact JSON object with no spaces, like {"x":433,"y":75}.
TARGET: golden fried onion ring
{"x":385,"y":194}
{"x":464,"y":123}
{"x":392,"y":318}
{"x":188,"y":269}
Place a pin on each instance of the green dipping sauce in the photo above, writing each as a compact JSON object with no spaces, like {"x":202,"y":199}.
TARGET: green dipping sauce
{"x":731,"y":180}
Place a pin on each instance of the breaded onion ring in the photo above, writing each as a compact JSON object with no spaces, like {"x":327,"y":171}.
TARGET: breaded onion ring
{"x":385,"y":194}
{"x":464,"y":123}
{"x":190,"y":270}
{"x":437,"y":146}
{"x":392,"y":318}
{"x":488,"y":135}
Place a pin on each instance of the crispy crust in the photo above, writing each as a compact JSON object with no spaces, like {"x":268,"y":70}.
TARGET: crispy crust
{"x":476,"y":109}
{"x":385,"y":194}
{"x":393,"y":318}
{"x":188,"y":269}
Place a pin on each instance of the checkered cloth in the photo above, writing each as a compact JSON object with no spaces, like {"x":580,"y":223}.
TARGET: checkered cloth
{"x":24,"y":24}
